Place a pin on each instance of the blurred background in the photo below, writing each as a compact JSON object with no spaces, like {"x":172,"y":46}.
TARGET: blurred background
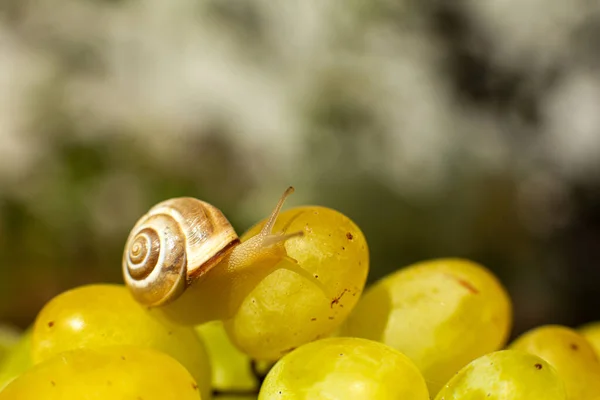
{"x":467,"y":128}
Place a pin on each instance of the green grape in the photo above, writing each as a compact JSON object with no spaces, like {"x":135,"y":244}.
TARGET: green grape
{"x":17,"y":361}
{"x":570,"y":353}
{"x":344,"y":369}
{"x":231,"y":369}
{"x":236,"y":397}
{"x":9,"y":336}
{"x":441,"y":313}
{"x":505,"y":375}
{"x":591,"y":332}
{"x":104,"y":315}
{"x":113,"y":372}
{"x":310,"y":292}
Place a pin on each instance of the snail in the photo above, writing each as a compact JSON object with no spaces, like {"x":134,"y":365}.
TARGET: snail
{"x":178,"y":241}
{"x":292,"y":277}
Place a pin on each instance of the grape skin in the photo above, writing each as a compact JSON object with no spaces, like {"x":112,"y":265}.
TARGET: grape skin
{"x":591,"y":332}
{"x":441,"y":313}
{"x":505,"y":375}
{"x":107,"y":314}
{"x":291,"y":307}
{"x":236,"y":397}
{"x":569,"y":353}
{"x":114,"y":372}
{"x":17,"y":361}
{"x":344,"y":369}
{"x":231,"y":368}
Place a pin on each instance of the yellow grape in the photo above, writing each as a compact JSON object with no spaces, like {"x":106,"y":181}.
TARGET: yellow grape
{"x":236,"y":397}
{"x":106,"y":314}
{"x":299,"y":303}
{"x":344,"y":369}
{"x":113,"y":372}
{"x":17,"y":361}
{"x":570,"y":353}
{"x":231,"y":368}
{"x":591,"y":332}
{"x":441,"y":313}
{"x":505,"y":375}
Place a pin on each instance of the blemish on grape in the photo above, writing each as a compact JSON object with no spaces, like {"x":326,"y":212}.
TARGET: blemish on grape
{"x":50,"y":324}
{"x":337,"y":299}
{"x":194,"y":386}
{"x":538,"y":366}
{"x":574,"y":347}
{"x":464,"y":283}
{"x":349,"y":236}
{"x":53,"y":383}
{"x":313,"y":319}
{"x":287,"y":350}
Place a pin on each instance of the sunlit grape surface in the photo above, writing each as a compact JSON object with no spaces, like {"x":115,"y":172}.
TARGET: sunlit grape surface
{"x":570,"y":353}
{"x":441,"y":313}
{"x":114,"y":372}
{"x":505,"y":375}
{"x":100,"y":315}
{"x":344,"y":369}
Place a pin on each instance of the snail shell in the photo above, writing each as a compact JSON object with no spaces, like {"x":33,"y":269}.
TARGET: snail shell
{"x":175,"y":242}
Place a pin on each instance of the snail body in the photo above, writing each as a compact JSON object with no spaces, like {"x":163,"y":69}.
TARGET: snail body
{"x":178,"y":241}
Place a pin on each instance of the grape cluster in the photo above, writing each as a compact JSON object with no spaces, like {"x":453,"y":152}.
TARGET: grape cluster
{"x":300,"y":325}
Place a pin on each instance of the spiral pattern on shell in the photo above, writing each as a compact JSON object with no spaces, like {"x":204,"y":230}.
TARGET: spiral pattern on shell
{"x":143,"y":254}
{"x":171,"y":245}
